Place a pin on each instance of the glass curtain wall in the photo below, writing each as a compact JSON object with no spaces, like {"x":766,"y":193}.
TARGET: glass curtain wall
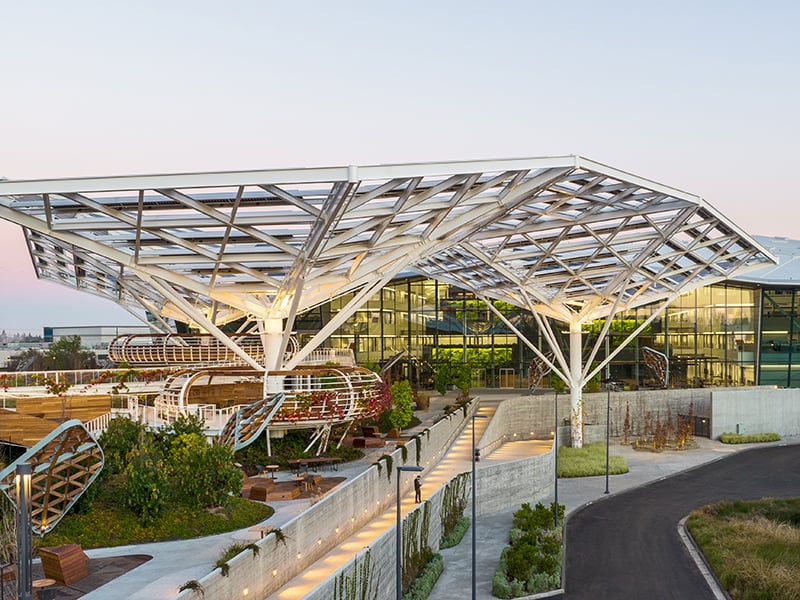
{"x":707,"y":334}
{"x":780,"y":339}
{"x":413,"y":325}
{"x":710,"y":335}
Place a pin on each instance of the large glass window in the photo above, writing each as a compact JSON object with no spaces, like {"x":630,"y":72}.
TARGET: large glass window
{"x":780,"y":342}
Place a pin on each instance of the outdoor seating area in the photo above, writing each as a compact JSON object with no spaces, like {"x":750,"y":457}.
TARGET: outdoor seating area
{"x":368,"y":442}
{"x":296,"y":465}
{"x":305,"y":485}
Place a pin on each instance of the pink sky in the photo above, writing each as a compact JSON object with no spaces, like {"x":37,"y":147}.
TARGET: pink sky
{"x":694,"y":95}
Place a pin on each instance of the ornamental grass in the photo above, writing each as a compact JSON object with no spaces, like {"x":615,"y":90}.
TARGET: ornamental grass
{"x":753,"y":547}
{"x":588,"y":461}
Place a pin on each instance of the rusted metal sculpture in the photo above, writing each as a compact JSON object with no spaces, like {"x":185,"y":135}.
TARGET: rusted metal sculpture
{"x":658,"y":363}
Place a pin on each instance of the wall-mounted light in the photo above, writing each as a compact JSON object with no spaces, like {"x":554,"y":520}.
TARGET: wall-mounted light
{"x":274,"y":572}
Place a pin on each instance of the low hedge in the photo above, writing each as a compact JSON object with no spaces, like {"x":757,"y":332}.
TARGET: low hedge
{"x":532,"y":562}
{"x":747,"y":438}
{"x":455,"y":537}
{"x":422,"y":586}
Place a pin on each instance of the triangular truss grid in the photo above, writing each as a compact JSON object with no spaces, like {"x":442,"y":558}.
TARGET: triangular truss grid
{"x":564,"y":236}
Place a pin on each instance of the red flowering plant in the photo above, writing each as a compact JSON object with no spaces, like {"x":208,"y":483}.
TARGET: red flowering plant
{"x":375,"y":399}
{"x":7,"y":380}
{"x":311,"y":406}
{"x":57,"y":386}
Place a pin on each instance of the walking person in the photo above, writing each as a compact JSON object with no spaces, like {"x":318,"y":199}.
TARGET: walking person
{"x":417,"y":490}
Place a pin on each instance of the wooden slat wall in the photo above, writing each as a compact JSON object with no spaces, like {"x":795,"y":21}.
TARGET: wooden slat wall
{"x":23,"y":430}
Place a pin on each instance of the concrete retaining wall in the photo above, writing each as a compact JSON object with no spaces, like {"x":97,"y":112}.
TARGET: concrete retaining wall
{"x":528,"y":417}
{"x":322,"y":527}
{"x":756,"y":410}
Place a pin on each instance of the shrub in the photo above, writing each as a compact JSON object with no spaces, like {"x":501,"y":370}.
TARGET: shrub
{"x":747,"y":438}
{"x":520,"y":559}
{"x":421,"y":587}
{"x":121,"y":437}
{"x":532,"y":520}
{"x":542,"y":582}
{"x":532,"y":563}
{"x":183,"y":425}
{"x":145,"y":486}
{"x":204,"y":474}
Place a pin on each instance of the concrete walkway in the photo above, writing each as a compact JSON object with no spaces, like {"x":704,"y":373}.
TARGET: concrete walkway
{"x":176,"y":562}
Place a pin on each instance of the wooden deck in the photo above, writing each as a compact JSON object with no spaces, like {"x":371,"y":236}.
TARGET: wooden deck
{"x":78,"y":406}
{"x":23,"y":430}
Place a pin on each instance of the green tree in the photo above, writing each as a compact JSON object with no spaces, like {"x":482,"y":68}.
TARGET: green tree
{"x":183,"y":425}
{"x":462,"y":378}
{"x":120,"y":438}
{"x":67,"y":353}
{"x":443,"y":378}
{"x":403,"y":397}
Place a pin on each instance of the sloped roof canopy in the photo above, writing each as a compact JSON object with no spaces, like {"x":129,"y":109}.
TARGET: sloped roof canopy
{"x":565,"y":236}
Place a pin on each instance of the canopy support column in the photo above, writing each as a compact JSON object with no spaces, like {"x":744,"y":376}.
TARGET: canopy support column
{"x":576,"y":384}
{"x":271,"y":330}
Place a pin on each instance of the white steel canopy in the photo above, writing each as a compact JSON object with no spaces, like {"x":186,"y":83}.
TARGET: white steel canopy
{"x":566,"y":236}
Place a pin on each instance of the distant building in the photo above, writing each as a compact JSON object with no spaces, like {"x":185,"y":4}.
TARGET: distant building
{"x":93,"y":337}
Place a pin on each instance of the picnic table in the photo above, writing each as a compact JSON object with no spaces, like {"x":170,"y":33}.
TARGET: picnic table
{"x":298,"y":464}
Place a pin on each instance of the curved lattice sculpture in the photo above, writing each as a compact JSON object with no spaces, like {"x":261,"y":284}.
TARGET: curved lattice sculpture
{"x":65,"y":463}
{"x":249,"y":422}
{"x":658,"y":363}
{"x":315,"y":397}
{"x":325,"y":394}
{"x":184,"y":349}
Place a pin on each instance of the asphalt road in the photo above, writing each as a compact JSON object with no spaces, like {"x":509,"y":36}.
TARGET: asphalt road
{"x":626,"y":546}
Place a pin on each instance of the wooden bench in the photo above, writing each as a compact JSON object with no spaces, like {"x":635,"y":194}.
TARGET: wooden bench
{"x":66,"y":564}
{"x":261,"y":490}
{"x":370,"y":431}
{"x":368,"y":442}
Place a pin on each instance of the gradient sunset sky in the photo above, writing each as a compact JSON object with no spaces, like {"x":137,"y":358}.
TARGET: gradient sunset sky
{"x":702,"y":96}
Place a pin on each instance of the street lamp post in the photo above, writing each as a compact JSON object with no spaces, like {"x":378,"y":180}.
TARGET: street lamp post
{"x":474,"y":517}
{"x":23,"y":485}
{"x":399,"y":547}
{"x":555,"y":468}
